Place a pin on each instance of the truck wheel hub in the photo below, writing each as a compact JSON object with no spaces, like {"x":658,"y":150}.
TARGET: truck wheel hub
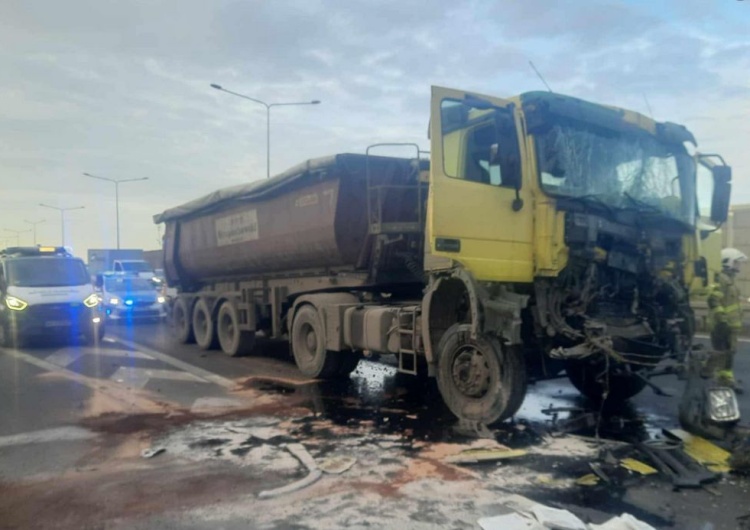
{"x":471,"y":374}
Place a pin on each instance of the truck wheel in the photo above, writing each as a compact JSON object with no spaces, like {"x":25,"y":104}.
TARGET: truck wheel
{"x":309,"y":345}
{"x":584,"y":377}
{"x":233,"y":341}
{"x":204,"y":328}
{"x":479,"y":380}
{"x":181,"y":322}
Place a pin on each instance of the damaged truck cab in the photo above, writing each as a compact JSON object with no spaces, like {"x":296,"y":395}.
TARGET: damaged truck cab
{"x":545,"y":235}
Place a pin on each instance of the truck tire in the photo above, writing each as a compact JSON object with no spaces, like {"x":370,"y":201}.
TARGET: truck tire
{"x":182,"y":322}
{"x":232,"y":340}
{"x":479,"y":379}
{"x":204,"y":327}
{"x":309,"y":345}
{"x":621,"y":387}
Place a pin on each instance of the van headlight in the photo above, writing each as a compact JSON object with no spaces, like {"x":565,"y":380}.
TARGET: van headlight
{"x":91,"y":301}
{"x":16,"y":304}
{"x":161,"y":299}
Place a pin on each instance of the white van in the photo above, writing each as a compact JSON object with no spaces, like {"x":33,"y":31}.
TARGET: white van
{"x":46,"y":291}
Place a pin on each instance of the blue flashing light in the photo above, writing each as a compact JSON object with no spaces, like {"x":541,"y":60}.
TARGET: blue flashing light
{"x":128,"y":302}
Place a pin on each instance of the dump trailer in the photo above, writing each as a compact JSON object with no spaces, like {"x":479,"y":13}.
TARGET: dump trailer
{"x":544,"y":235}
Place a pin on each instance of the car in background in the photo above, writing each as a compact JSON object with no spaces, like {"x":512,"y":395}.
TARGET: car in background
{"x":125,"y":297}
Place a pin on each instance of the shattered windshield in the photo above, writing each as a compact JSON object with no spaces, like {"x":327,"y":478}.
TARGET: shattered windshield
{"x":621,"y":170}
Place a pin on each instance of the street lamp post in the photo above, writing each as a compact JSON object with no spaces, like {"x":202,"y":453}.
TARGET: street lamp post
{"x":117,"y":183}
{"x":33,"y":224}
{"x":62,"y":217}
{"x":18,"y":234}
{"x":268,"y":117}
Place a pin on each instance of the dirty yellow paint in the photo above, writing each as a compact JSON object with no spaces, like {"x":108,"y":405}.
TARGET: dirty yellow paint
{"x":704,"y":452}
{"x":637,"y":466}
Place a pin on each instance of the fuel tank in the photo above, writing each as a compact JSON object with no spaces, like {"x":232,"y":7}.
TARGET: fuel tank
{"x":311,"y":217}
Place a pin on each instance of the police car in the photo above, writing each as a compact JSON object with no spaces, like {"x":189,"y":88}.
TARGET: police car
{"x":46,"y":292}
{"x":130,"y":297}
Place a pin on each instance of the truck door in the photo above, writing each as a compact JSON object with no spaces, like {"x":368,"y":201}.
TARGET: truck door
{"x":479,"y":211}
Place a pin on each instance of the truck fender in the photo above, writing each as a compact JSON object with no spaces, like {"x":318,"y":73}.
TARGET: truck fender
{"x":440,"y":304}
{"x":332,"y":320}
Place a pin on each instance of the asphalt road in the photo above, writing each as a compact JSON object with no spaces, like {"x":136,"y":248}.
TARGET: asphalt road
{"x":75,"y":421}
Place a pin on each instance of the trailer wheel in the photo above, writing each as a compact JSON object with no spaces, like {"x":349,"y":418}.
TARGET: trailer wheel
{"x":204,"y":327}
{"x":181,"y":322}
{"x":585,"y":377}
{"x":309,"y":345}
{"x":233,"y":341}
{"x":479,"y":379}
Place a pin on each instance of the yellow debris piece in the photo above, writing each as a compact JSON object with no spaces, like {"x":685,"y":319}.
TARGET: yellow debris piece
{"x":636,"y":465}
{"x":588,"y":480}
{"x":704,"y":452}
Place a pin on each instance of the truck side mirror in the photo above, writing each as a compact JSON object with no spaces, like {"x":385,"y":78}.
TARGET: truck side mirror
{"x":722,"y":193}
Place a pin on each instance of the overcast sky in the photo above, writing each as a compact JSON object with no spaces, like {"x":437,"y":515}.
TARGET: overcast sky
{"x":121,"y":88}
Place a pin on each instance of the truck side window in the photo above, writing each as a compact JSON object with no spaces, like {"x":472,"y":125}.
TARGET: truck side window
{"x":480,"y":145}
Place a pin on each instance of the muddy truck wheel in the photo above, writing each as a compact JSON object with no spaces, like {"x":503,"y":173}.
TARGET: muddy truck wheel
{"x":181,"y":325}
{"x":309,"y":345}
{"x":590,"y":380}
{"x":479,"y":379}
{"x":204,"y":327}
{"x":232,"y":340}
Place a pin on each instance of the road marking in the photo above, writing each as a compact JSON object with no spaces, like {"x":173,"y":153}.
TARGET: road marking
{"x":59,"y":434}
{"x":67,"y":356}
{"x":138,"y":377}
{"x":186,"y":367}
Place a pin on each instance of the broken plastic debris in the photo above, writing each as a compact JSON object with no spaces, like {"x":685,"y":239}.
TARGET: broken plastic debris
{"x":557,"y":519}
{"x":510,"y":521}
{"x":623,"y":522}
{"x":702,"y":451}
{"x":150,"y":453}
{"x":336,"y":464}
{"x":637,"y":466}
{"x":588,"y":480}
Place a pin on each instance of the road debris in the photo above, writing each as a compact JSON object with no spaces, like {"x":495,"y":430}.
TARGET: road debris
{"x":623,"y":522}
{"x":476,"y":456}
{"x":335,"y":465}
{"x":299,"y":451}
{"x":674,"y":462}
{"x":637,"y":466}
{"x":150,"y":453}
{"x":509,"y":521}
{"x":587,"y":480}
{"x":702,"y":451}
{"x":557,"y":519}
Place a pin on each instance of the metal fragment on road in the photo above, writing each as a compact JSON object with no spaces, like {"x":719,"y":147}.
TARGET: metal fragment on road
{"x":150,"y":453}
{"x":475,"y":456}
{"x":299,"y":452}
{"x":637,"y":466}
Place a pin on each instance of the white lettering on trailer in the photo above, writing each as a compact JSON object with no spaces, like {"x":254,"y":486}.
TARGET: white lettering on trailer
{"x":237,"y":228}
{"x":306,"y":200}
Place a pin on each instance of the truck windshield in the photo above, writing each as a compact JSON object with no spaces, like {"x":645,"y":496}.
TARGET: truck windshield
{"x":46,"y":272}
{"x":125,"y":285}
{"x":623,"y":170}
{"x":136,"y":266}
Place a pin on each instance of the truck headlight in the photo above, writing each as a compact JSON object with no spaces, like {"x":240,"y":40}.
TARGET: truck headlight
{"x":722,"y":405}
{"x":16,"y":304}
{"x":161,"y":299}
{"x":114,"y":301}
{"x":91,"y":301}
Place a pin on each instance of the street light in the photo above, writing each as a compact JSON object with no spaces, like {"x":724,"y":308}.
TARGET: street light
{"x":62,"y":217}
{"x":18,"y":234}
{"x":117,"y":183}
{"x":33,"y":224}
{"x":268,"y":117}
